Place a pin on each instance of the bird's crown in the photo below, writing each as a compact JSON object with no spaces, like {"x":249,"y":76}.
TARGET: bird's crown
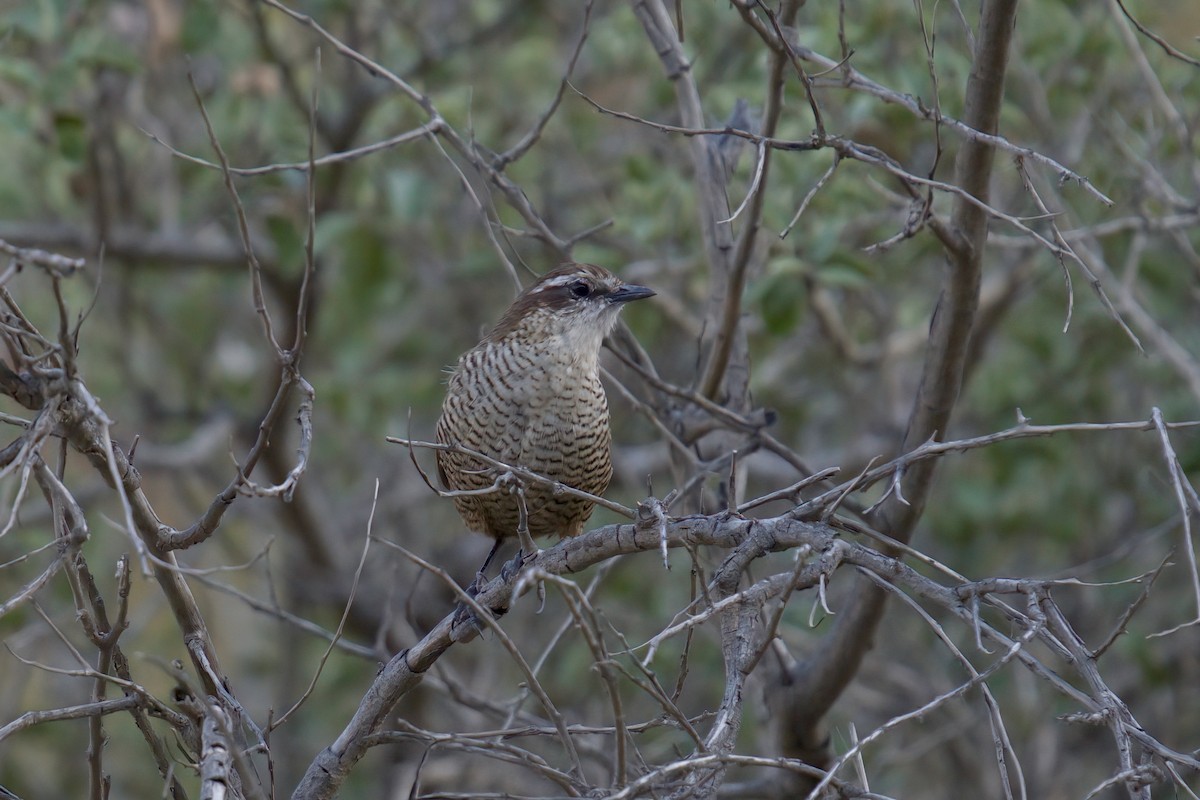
{"x":570,"y":296}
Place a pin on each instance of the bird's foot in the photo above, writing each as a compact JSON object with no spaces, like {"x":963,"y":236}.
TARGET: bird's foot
{"x":512,"y":568}
{"x":476,"y":586}
{"x":464,"y":614}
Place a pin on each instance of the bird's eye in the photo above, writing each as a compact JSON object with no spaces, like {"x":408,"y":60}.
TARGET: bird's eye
{"x":580,"y":289}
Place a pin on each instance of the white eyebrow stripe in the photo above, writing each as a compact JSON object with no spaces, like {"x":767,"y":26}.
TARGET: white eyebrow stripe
{"x":553,"y":283}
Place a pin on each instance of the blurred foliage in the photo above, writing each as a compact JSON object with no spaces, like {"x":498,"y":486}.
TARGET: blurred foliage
{"x":407,"y":279}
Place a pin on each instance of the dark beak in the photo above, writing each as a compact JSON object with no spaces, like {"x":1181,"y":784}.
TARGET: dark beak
{"x":628,"y":291}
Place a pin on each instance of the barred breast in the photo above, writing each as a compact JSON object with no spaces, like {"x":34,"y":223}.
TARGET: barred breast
{"x":531,"y":406}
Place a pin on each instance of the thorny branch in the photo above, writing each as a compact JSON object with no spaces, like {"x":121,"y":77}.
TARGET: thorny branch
{"x":751,"y":614}
{"x":817,"y":681}
{"x":747,"y":540}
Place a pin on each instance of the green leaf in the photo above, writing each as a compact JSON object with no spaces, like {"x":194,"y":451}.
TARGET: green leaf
{"x":842,"y":275}
{"x":70,"y":132}
{"x":781,"y":300}
{"x":289,"y":243}
{"x":201,"y":24}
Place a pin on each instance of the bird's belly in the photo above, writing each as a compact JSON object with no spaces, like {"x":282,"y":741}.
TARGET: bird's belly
{"x":568,"y":441}
{"x":553,"y":422}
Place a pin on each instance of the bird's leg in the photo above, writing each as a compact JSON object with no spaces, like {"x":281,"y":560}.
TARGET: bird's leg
{"x":463,"y":612}
{"x":481,"y":575}
{"x":511,"y":569}
{"x":527,"y":545}
{"x":528,"y":549}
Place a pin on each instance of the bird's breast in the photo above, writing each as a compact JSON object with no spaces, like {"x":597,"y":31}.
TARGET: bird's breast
{"x":544,"y":410}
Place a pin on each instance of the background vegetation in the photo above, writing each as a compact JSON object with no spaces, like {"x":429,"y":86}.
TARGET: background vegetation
{"x":453,"y":157}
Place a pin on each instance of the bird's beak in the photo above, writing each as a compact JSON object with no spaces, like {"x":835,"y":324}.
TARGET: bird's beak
{"x":628,"y":291}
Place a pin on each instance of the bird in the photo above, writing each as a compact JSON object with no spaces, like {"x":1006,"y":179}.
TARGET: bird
{"x":529,"y":395}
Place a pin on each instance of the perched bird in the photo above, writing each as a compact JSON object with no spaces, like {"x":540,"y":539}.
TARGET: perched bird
{"x":529,"y":395}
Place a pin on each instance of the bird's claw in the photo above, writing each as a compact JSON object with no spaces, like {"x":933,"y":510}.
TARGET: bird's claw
{"x":476,"y":586}
{"x":518,"y":562}
{"x":510,"y":568}
{"x":464,"y":615}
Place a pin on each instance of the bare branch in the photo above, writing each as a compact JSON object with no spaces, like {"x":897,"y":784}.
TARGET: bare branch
{"x":52,"y":262}
{"x":83,"y":711}
{"x":820,"y":679}
{"x":1154,"y":37}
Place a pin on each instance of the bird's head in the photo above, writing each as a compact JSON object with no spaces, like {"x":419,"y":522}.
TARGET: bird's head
{"x":576,"y":304}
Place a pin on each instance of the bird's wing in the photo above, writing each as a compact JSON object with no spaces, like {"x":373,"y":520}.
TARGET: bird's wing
{"x":441,"y":470}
